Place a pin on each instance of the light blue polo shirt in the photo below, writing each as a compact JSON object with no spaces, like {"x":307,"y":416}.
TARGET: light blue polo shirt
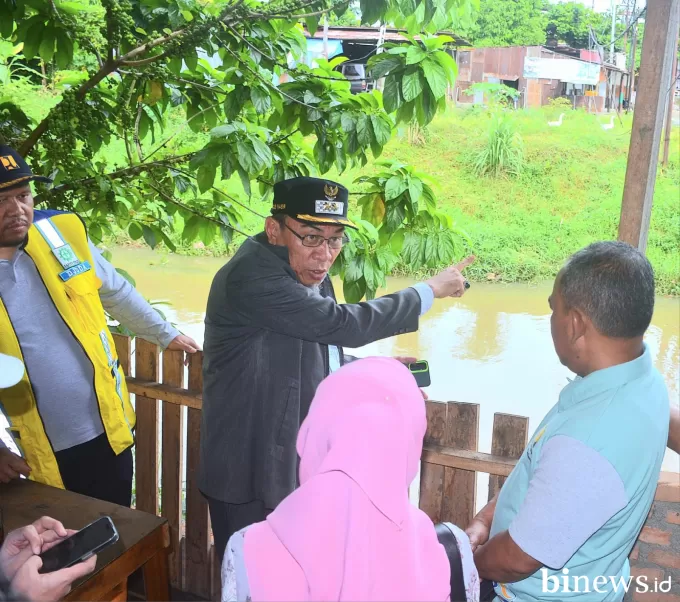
{"x":583,"y":487}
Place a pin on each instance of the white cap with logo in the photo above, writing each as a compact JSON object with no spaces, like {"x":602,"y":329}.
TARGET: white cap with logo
{"x":11,"y":371}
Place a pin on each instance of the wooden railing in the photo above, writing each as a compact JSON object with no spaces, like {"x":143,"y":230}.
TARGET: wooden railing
{"x":168,"y":407}
{"x":163,"y":454}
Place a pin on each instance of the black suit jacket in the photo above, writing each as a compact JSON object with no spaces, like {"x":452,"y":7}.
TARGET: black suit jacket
{"x":265,"y":353}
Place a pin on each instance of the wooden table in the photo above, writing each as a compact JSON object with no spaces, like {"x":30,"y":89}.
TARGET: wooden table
{"x":144,"y":539}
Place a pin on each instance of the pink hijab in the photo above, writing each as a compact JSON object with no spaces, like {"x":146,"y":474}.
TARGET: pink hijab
{"x":349,"y":532}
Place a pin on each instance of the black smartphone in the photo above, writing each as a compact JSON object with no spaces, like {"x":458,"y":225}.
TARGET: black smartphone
{"x":80,"y":546}
{"x":421,"y":372}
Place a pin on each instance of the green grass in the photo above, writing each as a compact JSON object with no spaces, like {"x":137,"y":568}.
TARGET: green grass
{"x":522,"y":228}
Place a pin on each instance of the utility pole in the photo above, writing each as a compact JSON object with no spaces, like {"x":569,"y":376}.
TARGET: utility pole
{"x":658,"y":50}
{"x":670,"y":103}
{"x":613,"y":33}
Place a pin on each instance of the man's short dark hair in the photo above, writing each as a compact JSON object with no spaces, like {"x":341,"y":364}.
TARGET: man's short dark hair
{"x":613,"y":284}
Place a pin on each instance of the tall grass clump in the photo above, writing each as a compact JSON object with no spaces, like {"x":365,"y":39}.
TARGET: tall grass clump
{"x":504,"y":151}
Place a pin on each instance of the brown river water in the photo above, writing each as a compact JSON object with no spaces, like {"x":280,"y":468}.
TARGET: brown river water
{"x":492,"y":347}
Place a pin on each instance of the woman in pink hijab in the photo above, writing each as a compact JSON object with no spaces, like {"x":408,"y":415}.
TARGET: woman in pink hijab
{"x":349,"y":531}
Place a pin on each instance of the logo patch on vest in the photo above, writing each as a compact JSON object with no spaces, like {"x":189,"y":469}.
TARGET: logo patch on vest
{"x":66,"y":257}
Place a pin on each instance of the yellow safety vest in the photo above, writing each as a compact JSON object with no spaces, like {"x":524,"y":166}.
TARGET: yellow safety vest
{"x":59,"y":248}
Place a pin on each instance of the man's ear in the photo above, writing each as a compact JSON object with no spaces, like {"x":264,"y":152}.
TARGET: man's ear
{"x":578,"y":324}
{"x":272,"y":229}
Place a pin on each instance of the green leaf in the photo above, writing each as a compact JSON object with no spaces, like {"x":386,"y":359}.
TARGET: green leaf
{"x":415,"y":55}
{"x":205,"y":176}
{"x":355,"y":269}
{"x":392,"y":96}
{"x":207,"y":232}
{"x":168,"y":243}
{"x":369,"y":273}
{"x":449,"y":65}
{"x":261,"y":99}
{"x":175,"y":66}
{"x":426,"y":109}
{"x":187,"y":15}
{"x":46,"y":50}
{"x":149,"y":236}
{"x":64,"y":55}
{"x":415,"y":189}
{"x":245,"y":180}
{"x":436,"y":77}
{"x":135,"y":231}
{"x":247,"y":157}
{"x":395,"y":186}
{"x":191,"y":61}
{"x":412,"y":84}
{"x":394,"y":216}
{"x":348,"y":122}
{"x":227,"y":234}
{"x":364,"y":130}
{"x":354,"y":290}
{"x":191,"y":228}
{"x":382,"y":64}
{"x":312,"y":25}
{"x":382,"y":129}
{"x":33,"y":39}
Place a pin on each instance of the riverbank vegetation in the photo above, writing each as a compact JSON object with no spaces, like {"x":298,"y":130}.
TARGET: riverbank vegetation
{"x":567,"y":194}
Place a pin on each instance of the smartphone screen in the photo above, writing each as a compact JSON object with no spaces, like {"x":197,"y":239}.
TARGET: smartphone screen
{"x":80,"y":546}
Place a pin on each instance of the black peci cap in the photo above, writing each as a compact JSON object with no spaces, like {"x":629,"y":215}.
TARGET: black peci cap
{"x":312,"y":200}
{"x":14,"y":171}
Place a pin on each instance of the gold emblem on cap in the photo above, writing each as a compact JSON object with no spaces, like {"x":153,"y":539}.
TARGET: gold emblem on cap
{"x":330,"y":191}
{"x":9,"y":163}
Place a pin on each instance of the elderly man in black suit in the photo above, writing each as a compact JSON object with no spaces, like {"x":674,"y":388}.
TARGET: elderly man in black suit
{"x":273,"y":332}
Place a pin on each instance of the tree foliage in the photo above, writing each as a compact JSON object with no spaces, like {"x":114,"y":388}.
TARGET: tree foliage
{"x":126,"y":67}
{"x":570,"y":23}
{"x":509,"y":23}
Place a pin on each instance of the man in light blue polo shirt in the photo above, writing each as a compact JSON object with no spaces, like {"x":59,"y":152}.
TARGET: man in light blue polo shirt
{"x":567,"y":517}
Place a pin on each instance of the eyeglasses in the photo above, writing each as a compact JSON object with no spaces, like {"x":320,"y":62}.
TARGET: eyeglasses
{"x":315,"y":240}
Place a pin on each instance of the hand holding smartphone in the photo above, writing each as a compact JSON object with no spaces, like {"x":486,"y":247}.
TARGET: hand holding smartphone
{"x":80,"y":546}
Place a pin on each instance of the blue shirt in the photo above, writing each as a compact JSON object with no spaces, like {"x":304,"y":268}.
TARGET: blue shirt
{"x":581,"y":491}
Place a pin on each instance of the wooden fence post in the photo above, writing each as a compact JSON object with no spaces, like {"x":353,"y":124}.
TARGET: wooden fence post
{"x":173,"y":462}
{"x":146,"y":447}
{"x":197,"y":540}
{"x":510,"y":434}
{"x":432,"y":475}
{"x":449,"y":494}
{"x":460,"y":486}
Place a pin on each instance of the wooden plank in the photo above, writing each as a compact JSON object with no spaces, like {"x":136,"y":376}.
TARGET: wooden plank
{"x":165,"y":392}
{"x":658,"y":51}
{"x":146,"y":447}
{"x":197,"y":552}
{"x":510,"y":434}
{"x":173,"y":462}
{"x":432,"y":475}
{"x":124,"y":351}
{"x":460,"y":486}
{"x":467,"y":460}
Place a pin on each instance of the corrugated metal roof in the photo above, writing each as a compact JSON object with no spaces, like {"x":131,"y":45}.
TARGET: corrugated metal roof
{"x":372,"y":34}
